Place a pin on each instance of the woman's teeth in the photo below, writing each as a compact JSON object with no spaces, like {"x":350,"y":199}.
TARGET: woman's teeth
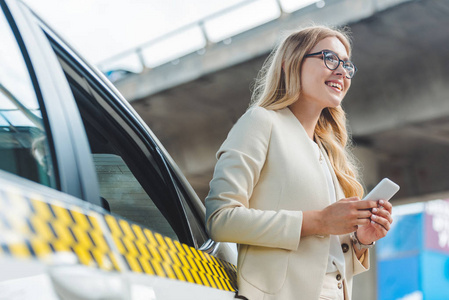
{"x":334,"y":84}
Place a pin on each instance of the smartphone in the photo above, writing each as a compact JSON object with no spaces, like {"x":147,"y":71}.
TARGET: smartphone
{"x":385,"y":189}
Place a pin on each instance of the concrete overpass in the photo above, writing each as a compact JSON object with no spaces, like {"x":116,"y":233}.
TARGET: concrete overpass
{"x":398,"y":105}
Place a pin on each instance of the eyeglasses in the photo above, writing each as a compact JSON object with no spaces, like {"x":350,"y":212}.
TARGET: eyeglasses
{"x":332,"y":61}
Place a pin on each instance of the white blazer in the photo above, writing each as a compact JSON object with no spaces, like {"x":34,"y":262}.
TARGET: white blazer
{"x":265,"y":177}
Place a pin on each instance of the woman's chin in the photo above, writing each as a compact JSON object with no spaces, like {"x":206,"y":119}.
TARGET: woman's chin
{"x":334,"y":104}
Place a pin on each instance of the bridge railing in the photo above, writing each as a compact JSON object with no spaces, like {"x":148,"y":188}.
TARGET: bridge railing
{"x":199,"y":35}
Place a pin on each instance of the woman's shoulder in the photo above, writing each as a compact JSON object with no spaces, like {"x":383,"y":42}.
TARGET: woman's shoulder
{"x":254,"y":119}
{"x":258,"y":113}
{"x":250,"y":133}
{"x":258,"y":118}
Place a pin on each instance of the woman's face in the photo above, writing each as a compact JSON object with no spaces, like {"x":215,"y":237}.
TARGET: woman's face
{"x":320,"y":86}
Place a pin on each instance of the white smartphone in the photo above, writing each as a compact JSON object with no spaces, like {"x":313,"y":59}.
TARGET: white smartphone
{"x":385,"y":189}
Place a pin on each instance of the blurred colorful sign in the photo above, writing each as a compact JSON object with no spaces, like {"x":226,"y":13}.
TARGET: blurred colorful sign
{"x":413,"y":259}
{"x":437,"y":225}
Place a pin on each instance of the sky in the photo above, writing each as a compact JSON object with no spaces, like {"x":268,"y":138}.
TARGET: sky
{"x":101,"y":29}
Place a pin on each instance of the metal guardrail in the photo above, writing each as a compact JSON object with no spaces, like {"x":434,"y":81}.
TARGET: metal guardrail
{"x":201,"y":24}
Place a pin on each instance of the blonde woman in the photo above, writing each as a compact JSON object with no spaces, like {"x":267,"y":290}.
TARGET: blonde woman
{"x":285,"y":186}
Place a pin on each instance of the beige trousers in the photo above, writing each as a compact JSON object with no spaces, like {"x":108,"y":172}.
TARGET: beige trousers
{"x":332,"y":287}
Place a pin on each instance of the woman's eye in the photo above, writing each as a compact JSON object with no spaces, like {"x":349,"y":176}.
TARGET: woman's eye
{"x":330,"y":58}
{"x":348,"y":66}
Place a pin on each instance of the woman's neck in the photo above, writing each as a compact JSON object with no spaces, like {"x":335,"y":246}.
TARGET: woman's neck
{"x":307,"y":115}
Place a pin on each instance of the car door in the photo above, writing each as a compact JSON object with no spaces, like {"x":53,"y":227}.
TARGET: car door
{"x":65,"y":129}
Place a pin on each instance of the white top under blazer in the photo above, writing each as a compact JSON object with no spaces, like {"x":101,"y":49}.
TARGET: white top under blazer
{"x":266,"y":175}
{"x":336,"y":260}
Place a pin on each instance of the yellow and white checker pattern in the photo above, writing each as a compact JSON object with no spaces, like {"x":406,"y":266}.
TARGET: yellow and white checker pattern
{"x":34,"y":227}
{"x":31,"y":227}
{"x":154,"y":254}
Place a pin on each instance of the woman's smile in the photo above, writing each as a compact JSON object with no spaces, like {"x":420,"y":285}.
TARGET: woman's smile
{"x":335,"y":85}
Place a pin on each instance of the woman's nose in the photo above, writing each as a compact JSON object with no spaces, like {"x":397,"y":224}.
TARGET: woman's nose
{"x":340,"y":70}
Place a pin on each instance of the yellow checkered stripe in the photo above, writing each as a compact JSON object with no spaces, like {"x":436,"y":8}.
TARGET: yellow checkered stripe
{"x":151,"y":253}
{"x":31,"y":227}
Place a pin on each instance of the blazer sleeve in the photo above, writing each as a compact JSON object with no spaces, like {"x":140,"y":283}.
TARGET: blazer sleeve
{"x":362,"y":265}
{"x":240,"y":161}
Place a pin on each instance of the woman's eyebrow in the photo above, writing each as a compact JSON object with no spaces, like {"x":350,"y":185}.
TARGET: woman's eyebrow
{"x":344,"y":58}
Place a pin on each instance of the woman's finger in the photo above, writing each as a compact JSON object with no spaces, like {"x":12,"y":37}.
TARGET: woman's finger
{"x":365,"y":204}
{"x":380,"y":227}
{"x":363,"y":222}
{"x":386,"y":204}
{"x":385,"y":209}
{"x":383,"y":213}
{"x":363,"y":214}
{"x":381,"y":221}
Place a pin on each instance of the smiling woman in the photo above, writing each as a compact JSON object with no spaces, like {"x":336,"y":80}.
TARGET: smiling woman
{"x":318,"y":73}
{"x":285,"y":187}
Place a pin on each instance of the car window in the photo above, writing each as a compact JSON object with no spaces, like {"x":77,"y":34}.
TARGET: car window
{"x":124,"y":195}
{"x":24,"y":147}
{"x":131,"y":182}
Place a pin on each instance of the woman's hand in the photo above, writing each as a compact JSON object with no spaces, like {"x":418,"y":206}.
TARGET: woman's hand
{"x":379,"y":226}
{"x":341,"y":217}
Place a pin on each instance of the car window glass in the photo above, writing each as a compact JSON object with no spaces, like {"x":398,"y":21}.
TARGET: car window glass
{"x":126,"y":197}
{"x":24,"y":148}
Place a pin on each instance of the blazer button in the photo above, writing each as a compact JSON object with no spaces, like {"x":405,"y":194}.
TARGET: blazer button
{"x":345,"y":247}
{"x":340,"y":285}
{"x":338,"y":277}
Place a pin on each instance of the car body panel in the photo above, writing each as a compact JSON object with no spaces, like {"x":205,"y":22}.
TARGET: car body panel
{"x":39,"y":223}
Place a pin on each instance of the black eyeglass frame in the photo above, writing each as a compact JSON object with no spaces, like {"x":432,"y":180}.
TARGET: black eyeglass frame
{"x":323,"y":52}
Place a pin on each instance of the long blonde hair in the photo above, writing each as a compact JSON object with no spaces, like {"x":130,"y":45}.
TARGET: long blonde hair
{"x":279,"y":85}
